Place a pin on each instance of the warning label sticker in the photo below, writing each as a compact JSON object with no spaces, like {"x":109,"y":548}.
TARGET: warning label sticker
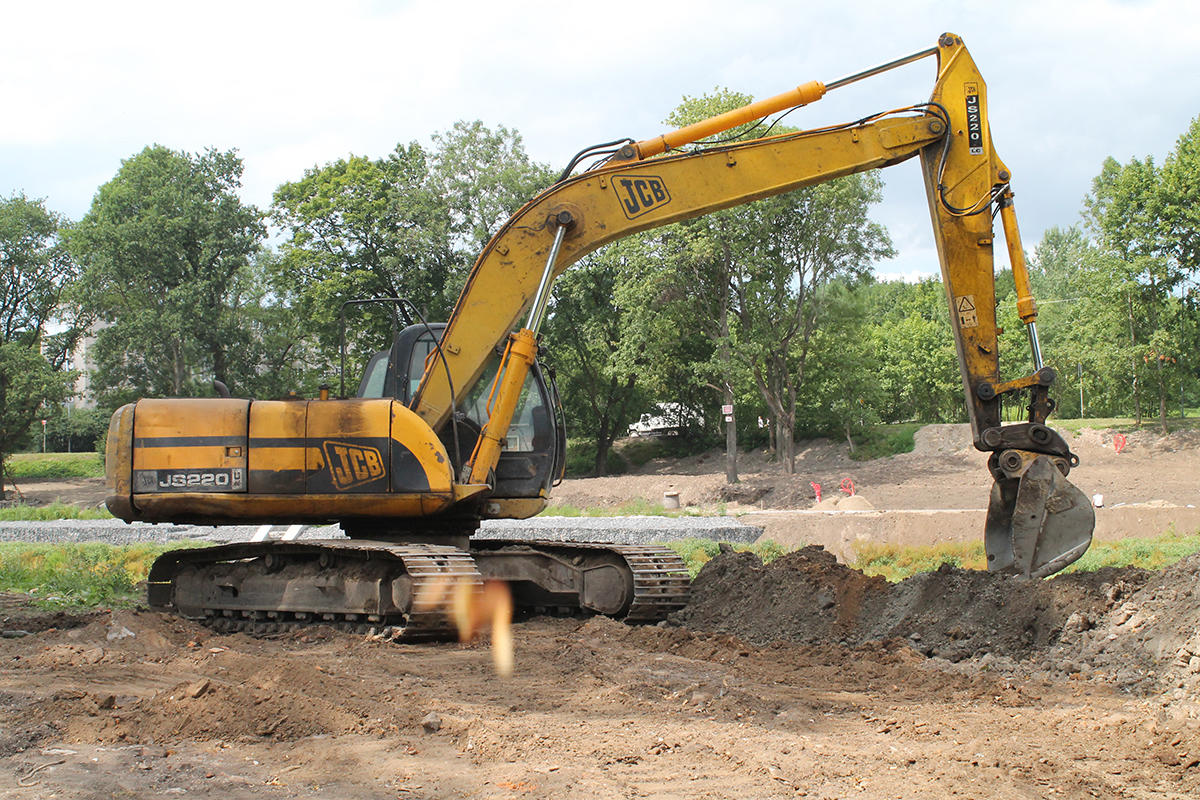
{"x":965,"y":305}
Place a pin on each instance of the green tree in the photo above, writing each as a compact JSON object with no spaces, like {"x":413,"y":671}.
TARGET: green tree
{"x":36,"y":272}
{"x":1132,"y":263}
{"x":407,"y":225}
{"x":809,"y":239}
{"x":841,"y":392}
{"x":164,"y":247}
{"x":360,"y":228}
{"x":908,"y":328}
{"x":484,"y":176}
{"x":758,"y":271}
{"x":1178,"y":202}
{"x":592,"y":338}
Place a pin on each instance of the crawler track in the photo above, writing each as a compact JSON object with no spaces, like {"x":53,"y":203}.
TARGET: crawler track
{"x":265,"y":587}
{"x":375,"y":587}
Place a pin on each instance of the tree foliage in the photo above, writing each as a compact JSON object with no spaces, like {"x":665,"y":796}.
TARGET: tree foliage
{"x":166,"y":248}
{"x":407,"y":225}
{"x":35,"y":270}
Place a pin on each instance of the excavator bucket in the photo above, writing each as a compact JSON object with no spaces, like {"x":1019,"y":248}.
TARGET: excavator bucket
{"x":1038,"y":522}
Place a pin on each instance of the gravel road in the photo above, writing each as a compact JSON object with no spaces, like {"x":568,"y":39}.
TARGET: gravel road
{"x":621,"y":530}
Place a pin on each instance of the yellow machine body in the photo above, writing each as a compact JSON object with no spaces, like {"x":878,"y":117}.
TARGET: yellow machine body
{"x":222,"y":460}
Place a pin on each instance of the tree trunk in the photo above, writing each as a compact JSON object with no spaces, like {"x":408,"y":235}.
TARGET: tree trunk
{"x":219,"y":363}
{"x":1162,"y":398}
{"x":731,"y":473}
{"x":1137,"y":389}
{"x":178,"y":368}
{"x":601,"y":466}
{"x":604,"y":440}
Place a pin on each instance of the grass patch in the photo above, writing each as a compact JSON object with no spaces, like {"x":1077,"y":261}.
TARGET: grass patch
{"x":51,"y":512}
{"x":52,"y":466}
{"x":1154,"y":553}
{"x":698,"y":552}
{"x":881,"y":441}
{"x":629,"y":453}
{"x":581,"y":460}
{"x":897,"y":563}
{"x":78,"y":575}
{"x":644,"y":449}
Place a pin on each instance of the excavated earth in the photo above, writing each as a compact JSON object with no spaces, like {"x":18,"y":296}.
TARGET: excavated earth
{"x":798,"y":678}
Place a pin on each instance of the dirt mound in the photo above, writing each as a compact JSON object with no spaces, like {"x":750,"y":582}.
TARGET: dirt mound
{"x":1150,"y":639}
{"x":804,"y":596}
{"x":855,"y":502}
{"x":942,"y":440}
{"x":781,"y":491}
{"x":956,"y":614}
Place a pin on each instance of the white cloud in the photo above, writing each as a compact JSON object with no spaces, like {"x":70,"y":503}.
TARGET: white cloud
{"x":299,"y":83}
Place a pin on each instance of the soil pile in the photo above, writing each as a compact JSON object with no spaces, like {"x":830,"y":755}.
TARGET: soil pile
{"x":855,"y":502}
{"x":941,"y":441}
{"x":1149,"y":639}
{"x":804,"y":596}
{"x":955,"y":614}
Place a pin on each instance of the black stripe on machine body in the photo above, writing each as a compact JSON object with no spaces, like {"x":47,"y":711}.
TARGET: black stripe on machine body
{"x":189,"y":441}
{"x":282,"y":481}
{"x":408,"y":475}
{"x":284,"y":441}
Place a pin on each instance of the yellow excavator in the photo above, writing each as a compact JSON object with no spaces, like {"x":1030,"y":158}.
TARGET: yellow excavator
{"x":457,"y":422}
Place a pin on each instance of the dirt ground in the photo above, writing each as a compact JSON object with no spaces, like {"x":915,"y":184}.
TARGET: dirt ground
{"x":943,"y":472}
{"x":802,"y":678}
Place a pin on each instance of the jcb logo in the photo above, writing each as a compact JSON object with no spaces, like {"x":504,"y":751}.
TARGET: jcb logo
{"x":639,"y":194}
{"x":352,"y":465}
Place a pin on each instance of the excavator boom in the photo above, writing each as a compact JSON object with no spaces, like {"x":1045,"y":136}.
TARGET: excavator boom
{"x":455,"y":423}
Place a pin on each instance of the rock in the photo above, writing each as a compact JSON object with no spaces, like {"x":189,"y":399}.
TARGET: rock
{"x":93,"y":655}
{"x":198,"y":688}
{"x":1168,"y":756}
{"x":431,"y":722}
{"x":106,"y":701}
{"x":1078,"y":622}
{"x":14,"y":634}
{"x":116,"y":632}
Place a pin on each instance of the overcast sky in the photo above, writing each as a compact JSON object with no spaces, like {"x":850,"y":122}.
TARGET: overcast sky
{"x":295,"y":84}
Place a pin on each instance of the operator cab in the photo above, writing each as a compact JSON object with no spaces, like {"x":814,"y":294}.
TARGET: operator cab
{"x":535,"y":450}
